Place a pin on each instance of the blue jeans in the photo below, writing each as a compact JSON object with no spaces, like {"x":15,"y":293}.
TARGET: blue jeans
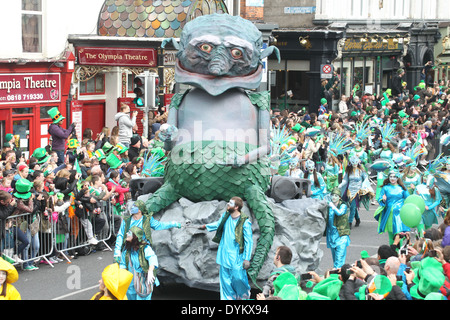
{"x":35,"y":244}
{"x":60,"y":157}
{"x":11,"y":237}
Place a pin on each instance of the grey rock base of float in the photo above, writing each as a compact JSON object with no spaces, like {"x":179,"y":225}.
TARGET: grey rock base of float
{"x":188,"y":255}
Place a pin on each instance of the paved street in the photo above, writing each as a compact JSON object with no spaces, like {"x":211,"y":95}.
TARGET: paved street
{"x":79,"y":280}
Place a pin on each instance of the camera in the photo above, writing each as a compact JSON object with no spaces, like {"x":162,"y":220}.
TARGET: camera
{"x":432,"y":253}
{"x":335,"y":271}
{"x":306,"y":276}
{"x":359,"y":264}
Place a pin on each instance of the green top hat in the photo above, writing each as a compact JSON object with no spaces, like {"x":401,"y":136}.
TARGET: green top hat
{"x":55,"y":115}
{"x":108,"y":148}
{"x":41,"y":155}
{"x":99,"y":154}
{"x":329,"y":287}
{"x":112,"y":161}
{"x":23,"y":187}
{"x":121,"y":148}
{"x":429,"y":277}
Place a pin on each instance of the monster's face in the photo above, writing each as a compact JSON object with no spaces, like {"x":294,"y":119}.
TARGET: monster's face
{"x":218,"y":52}
{"x":219,"y":55}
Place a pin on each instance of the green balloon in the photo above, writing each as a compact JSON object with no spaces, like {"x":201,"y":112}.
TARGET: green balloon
{"x":410,"y":215}
{"x":417,"y":200}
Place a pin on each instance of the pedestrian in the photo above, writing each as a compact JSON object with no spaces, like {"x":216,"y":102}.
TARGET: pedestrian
{"x":318,"y":185}
{"x":27,"y":212}
{"x":125,"y":123}
{"x":234,"y":236}
{"x":59,"y":134}
{"x":141,"y":219}
{"x":337,"y":230}
{"x":356,"y":188}
{"x":282,"y":261}
{"x":8,"y":275}
{"x":391,"y":199}
{"x":114,"y":283}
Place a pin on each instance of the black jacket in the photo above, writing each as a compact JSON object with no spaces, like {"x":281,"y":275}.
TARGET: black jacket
{"x":5,"y":212}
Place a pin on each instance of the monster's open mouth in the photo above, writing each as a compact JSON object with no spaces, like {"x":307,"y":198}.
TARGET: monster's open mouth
{"x":216,"y":85}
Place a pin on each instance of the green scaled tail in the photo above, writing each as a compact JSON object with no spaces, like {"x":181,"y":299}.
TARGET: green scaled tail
{"x":162,"y":198}
{"x":258,"y":203}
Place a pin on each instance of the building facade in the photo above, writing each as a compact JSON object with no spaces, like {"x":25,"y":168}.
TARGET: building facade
{"x":371,"y":40}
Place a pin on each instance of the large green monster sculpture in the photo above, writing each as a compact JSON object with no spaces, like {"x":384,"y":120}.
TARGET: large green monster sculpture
{"x":218,"y":133}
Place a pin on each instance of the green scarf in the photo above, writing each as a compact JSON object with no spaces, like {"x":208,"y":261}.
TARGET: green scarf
{"x":148,"y":235}
{"x":239,"y":231}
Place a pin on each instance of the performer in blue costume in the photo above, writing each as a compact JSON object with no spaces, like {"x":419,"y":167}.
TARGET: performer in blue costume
{"x":362,"y":132}
{"x":134,"y":259}
{"x":338,"y":231}
{"x":234,"y":235}
{"x":386,"y":152}
{"x":391,"y":199}
{"x":432,"y":197}
{"x":355,"y":188}
{"x":318,"y":186}
{"x":411,"y":175}
{"x":339,"y":145}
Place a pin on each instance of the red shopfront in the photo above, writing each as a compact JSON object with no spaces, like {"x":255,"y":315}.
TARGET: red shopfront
{"x":27,"y":92}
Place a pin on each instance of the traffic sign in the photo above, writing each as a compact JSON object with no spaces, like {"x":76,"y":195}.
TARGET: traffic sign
{"x":326,"y":71}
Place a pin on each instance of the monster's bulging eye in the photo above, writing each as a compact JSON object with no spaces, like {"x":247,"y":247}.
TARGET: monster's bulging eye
{"x":236,"y":53}
{"x":206,"y":47}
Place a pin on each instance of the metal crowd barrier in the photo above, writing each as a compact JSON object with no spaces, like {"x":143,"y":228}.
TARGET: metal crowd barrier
{"x":53,"y":237}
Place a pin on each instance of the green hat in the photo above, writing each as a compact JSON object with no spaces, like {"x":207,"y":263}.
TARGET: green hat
{"x":113,"y":162}
{"x":121,"y":148}
{"x":9,"y":137}
{"x":329,"y":287}
{"x":141,"y":206}
{"x":416,"y":97}
{"x":364,"y":254}
{"x":108,"y":148}
{"x":389,"y":92}
{"x":354,"y":113}
{"x":158,"y":151}
{"x":298,"y":128}
{"x":429,"y":277}
{"x":323,"y":101}
{"x":292,"y":292}
{"x":138,"y":232}
{"x":336,"y":191}
{"x":286,"y":278}
{"x":380,"y":284}
{"x":23,"y":187}
{"x":316,"y":296}
{"x":60,"y":195}
{"x":405,"y":122}
{"x":435,"y":296}
{"x":99,"y":154}
{"x":55,"y":115}
{"x":41,"y":155}
{"x":402,"y":114}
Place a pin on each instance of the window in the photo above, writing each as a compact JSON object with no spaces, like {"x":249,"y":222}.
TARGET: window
{"x":44,"y":112}
{"x":32,"y":25}
{"x":96,"y":85}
